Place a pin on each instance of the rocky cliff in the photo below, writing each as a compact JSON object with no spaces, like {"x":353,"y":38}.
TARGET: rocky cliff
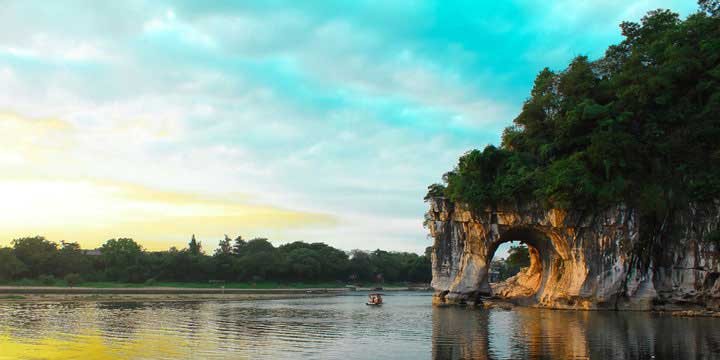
{"x":582,"y":259}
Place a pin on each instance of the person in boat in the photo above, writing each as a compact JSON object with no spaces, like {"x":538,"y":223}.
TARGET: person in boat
{"x":375,"y":299}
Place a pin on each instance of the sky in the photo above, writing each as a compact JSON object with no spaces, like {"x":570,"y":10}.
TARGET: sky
{"x":321,"y":121}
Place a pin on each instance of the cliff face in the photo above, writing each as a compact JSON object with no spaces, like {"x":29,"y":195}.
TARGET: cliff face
{"x":579,"y":259}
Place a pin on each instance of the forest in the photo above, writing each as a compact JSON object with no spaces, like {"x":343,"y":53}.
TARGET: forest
{"x":234,"y":260}
{"x":639,"y":126}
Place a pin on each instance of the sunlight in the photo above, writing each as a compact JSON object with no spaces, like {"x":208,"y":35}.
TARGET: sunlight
{"x":91,"y":212}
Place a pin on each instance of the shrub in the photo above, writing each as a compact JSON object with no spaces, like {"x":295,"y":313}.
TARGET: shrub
{"x":47,"y":279}
{"x":73,"y":279}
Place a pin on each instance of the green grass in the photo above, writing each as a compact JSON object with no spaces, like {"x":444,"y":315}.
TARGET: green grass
{"x":231,"y":285}
{"x":12,"y":297}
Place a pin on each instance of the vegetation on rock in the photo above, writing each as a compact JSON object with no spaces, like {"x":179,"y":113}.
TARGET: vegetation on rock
{"x":639,"y":126}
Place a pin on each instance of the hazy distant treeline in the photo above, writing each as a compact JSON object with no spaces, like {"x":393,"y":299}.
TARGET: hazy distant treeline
{"x":124,"y":260}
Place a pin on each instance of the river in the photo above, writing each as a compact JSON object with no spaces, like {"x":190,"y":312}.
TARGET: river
{"x":342,"y":327}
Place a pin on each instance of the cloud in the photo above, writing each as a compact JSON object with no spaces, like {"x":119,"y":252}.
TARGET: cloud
{"x":344,"y":108}
{"x":93,"y":211}
{"x":27,"y":140}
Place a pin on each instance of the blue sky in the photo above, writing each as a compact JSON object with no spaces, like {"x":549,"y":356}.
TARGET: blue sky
{"x":316,"y":121}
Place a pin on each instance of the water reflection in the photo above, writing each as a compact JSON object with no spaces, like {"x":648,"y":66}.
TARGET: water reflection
{"x":407,"y":327}
{"x":546,"y":334}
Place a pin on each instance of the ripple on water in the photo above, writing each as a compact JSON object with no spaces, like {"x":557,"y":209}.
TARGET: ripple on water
{"x":407,"y":327}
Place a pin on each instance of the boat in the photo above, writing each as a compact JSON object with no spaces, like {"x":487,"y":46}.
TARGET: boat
{"x":375,"y":299}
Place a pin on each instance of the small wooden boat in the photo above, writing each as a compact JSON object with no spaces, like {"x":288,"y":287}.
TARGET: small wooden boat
{"x":374,"y":299}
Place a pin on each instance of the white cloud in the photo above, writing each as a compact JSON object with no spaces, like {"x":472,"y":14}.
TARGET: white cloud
{"x":301,"y":111}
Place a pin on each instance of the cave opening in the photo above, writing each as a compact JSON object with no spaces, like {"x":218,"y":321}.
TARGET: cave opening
{"x":520,"y":272}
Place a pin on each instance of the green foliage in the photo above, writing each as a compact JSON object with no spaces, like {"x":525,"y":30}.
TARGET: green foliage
{"x":238,"y":246}
{"x":10,"y":266}
{"x":639,"y":126}
{"x":122,"y":260}
{"x":224,"y":247}
{"x":518,"y":256}
{"x":256,"y":261}
{"x":73,"y":279}
{"x":47,"y":280}
{"x":37,"y":253}
{"x":712,"y":7}
{"x":434,"y":191}
{"x":70,"y":259}
{"x":194,"y":247}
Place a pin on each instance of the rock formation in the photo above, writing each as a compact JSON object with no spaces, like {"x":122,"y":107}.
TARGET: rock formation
{"x":583,"y":259}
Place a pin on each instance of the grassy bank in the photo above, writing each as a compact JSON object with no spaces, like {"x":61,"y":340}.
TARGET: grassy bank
{"x":162,"y":297}
{"x":194,"y":285}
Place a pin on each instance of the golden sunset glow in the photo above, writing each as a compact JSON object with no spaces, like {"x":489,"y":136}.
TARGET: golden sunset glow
{"x":48,"y":189}
{"x":91,"y":212}
{"x":96,"y":347}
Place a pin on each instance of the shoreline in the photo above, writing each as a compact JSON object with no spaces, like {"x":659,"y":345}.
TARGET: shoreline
{"x":158,"y":290}
{"x":55,"y":294}
{"x":509,"y":305}
{"x":121,"y":294}
{"x":39,"y":298}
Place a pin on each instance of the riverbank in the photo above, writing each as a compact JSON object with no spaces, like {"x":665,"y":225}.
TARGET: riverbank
{"x":51,"y":293}
{"x":511,"y":304}
{"x":60,"y":283}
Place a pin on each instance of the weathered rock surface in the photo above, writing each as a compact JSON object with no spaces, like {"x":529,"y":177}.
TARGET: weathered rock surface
{"x":579,"y":259}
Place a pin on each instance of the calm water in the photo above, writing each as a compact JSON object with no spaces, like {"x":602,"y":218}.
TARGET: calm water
{"x":407,"y":327}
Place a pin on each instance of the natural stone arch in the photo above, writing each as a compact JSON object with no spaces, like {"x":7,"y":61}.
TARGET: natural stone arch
{"x":589,"y":258}
{"x":465,"y":242}
{"x":528,"y":281}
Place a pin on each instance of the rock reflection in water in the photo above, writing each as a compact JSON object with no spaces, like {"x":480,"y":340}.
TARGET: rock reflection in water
{"x":462,"y":333}
{"x":406,"y":327}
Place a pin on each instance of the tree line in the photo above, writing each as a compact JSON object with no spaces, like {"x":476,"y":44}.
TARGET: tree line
{"x":234,"y":260}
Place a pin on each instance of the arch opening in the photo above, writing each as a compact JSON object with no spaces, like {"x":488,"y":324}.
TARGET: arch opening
{"x":509,"y":259}
{"x":526,"y":281}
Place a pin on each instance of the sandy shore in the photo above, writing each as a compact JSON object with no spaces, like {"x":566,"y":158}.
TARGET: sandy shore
{"x":21,"y":293}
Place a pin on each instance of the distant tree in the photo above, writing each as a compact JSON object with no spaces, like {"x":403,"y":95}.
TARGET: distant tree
{"x":73,"y":279}
{"x":122,"y":258}
{"x":387,"y":264}
{"x":223,"y":260}
{"x":224,"y":247}
{"x":239,"y":246}
{"x":70,"y":259}
{"x":305,"y":264}
{"x":194,"y":247}
{"x":419,"y":267}
{"x":37,"y":253}
{"x":360,"y":265}
{"x":258,"y":245}
{"x":518,"y":256}
{"x":184,"y":266}
{"x":255,"y":266}
{"x":10,"y":265}
{"x":47,"y":279}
